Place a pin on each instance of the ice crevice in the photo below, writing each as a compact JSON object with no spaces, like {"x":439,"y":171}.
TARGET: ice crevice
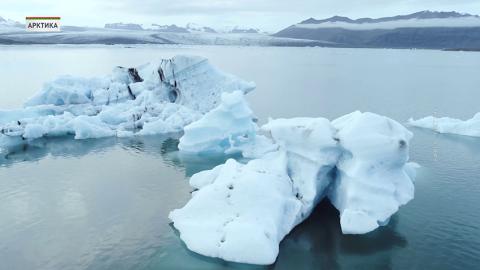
{"x":240,"y":212}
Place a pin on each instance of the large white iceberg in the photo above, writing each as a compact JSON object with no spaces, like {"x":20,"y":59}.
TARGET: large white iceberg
{"x":160,"y":97}
{"x":241,"y":212}
{"x":373,"y":176}
{"x":312,"y":152}
{"x":470,"y":127}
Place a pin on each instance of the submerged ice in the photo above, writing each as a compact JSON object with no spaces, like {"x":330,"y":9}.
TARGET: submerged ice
{"x":160,"y":97}
{"x":470,"y":127}
{"x":241,"y":212}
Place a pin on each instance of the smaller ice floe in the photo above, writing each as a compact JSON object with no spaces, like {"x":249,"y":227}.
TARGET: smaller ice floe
{"x":469,"y":127}
{"x":373,"y":176}
{"x":223,"y":130}
{"x":241,"y":212}
{"x":156,"y":98}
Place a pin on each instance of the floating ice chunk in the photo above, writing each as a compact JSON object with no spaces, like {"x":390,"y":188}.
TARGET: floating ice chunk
{"x":204,"y":178}
{"x":373,"y":179}
{"x":244,"y":212}
{"x":359,"y":161}
{"x":161,"y":97}
{"x":87,"y":127}
{"x":469,"y":127}
{"x":258,"y":147}
{"x":222,"y":130}
{"x":9,"y":116}
{"x":255,"y":205}
{"x":33,"y":131}
{"x":312,"y":153}
{"x":67,"y":90}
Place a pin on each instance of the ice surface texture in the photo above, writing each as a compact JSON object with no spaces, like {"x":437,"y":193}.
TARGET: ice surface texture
{"x":373,"y":178}
{"x":155,"y":98}
{"x":469,"y":127}
{"x":241,"y":212}
{"x":223,"y":129}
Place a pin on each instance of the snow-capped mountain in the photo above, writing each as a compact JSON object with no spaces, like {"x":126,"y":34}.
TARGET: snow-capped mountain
{"x":124,"y":26}
{"x":193,"y":27}
{"x":130,"y":33}
{"x":8,"y":22}
{"x":419,"y":19}
{"x":418,"y":15}
{"x":425,"y":29}
{"x":169,"y":28}
{"x":237,"y":30}
{"x":10,"y":26}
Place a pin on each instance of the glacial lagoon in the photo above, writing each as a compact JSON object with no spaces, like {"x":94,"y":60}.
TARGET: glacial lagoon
{"x":104,"y":204}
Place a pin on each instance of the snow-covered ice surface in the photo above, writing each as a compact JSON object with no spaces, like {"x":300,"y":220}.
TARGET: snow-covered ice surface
{"x":223,"y":130}
{"x":372,"y":178}
{"x":312,"y":152}
{"x":241,"y":212}
{"x":155,"y":98}
{"x":470,"y":127}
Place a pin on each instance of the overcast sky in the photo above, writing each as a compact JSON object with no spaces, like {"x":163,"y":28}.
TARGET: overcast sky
{"x":268,"y":15}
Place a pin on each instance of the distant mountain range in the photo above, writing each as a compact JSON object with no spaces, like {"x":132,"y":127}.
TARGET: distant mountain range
{"x":418,"y":15}
{"x":189,"y":28}
{"x":130,"y":33}
{"x":9,"y":23}
{"x":425,"y":29}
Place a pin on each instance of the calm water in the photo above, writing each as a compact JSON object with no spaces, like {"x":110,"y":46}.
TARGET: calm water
{"x":103,"y":204}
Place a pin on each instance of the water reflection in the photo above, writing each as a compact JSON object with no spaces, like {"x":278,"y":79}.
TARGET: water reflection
{"x":319,"y":244}
{"x":160,"y":146}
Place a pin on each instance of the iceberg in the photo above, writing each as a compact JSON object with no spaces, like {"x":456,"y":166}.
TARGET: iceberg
{"x":223,"y":130}
{"x":241,"y":212}
{"x":312,"y":152}
{"x":470,"y":127}
{"x":374,"y":177}
{"x":155,"y":98}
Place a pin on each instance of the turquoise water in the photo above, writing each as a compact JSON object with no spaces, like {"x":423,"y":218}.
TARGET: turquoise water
{"x":103,"y":204}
